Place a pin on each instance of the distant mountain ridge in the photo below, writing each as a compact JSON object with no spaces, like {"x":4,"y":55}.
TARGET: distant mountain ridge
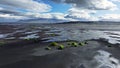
{"x":42,"y":20}
{"x":91,"y":22}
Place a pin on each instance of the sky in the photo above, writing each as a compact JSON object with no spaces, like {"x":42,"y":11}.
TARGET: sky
{"x":59,"y":10}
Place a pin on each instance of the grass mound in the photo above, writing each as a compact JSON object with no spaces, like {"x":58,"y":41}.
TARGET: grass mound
{"x":74,"y":44}
{"x":48,"y":48}
{"x":54,"y":44}
{"x":81,"y":43}
{"x":69,"y":44}
{"x":61,"y":47}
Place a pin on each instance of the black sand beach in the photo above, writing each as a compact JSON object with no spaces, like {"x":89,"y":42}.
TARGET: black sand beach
{"x":17,"y":51}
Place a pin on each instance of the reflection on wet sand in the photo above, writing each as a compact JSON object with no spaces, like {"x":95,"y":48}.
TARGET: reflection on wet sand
{"x":27,"y":49}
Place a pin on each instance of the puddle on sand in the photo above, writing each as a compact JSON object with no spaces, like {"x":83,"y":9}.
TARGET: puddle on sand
{"x":102,"y":59}
{"x":81,"y":35}
{"x":64,"y":33}
{"x":30,"y":36}
{"x":31,"y":32}
{"x":105,"y":60}
{"x":3,"y":36}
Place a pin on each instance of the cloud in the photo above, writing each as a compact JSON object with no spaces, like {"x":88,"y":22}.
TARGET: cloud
{"x":8,"y":11}
{"x":45,"y":15}
{"x":115,"y":0}
{"x":7,"y":15}
{"x":76,"y":10}
{"x":81,"y":15}
{"x":16,"y":15}
{"x":91,"y":4}
{"x":1,"y":8}
{"x":11,"y":18}
{"x":110,"y":17}
{"x":74,"y":14}
{"x":29,"y":5}
{"x":81,"y":10}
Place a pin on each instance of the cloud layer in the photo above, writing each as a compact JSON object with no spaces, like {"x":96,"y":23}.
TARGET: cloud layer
{"x":91,"y":4}
{"x":82,"y":15}
{"x":12,"y":10}
{"x":29,"y":5}
{"x":11,"y":18}
{"x":81,"y":10}
{"x":110,"y":17}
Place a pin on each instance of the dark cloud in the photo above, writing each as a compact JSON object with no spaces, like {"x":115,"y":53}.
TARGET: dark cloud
{"x":90,"y":4}
{"x":29,"y":5}
{"x":9,"y":12}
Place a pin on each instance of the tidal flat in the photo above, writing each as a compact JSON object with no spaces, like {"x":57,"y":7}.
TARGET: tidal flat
{"x":59,"y":45}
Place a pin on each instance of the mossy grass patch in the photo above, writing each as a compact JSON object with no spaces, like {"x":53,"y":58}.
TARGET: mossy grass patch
{"x":48,"y":48}
{"x":73,"y":44}
{"x":81,"y":43}
{"x":85,"y":42}
{"x":54,"y":44}
{"x":53,"y":34}
{"x":61,"y":47}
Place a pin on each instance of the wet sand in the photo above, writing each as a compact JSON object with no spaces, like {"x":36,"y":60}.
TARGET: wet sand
{"x":22,"y":53}
{"x":35,"y":56}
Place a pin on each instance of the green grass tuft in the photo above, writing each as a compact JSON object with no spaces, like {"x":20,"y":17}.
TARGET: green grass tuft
{"x":27,"y":39}
{"x":61,"y":47}
{"x":53,"y":34}
{"x":86,"y":42}
{"x":54,"y":44}
{"x":81,"y":43}
{"x":48,"y":48}
{"x":73,"y":44}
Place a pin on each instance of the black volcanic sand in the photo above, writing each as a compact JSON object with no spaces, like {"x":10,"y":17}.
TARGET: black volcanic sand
{"x":35,"y":55}
{"x":32,"y":54}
